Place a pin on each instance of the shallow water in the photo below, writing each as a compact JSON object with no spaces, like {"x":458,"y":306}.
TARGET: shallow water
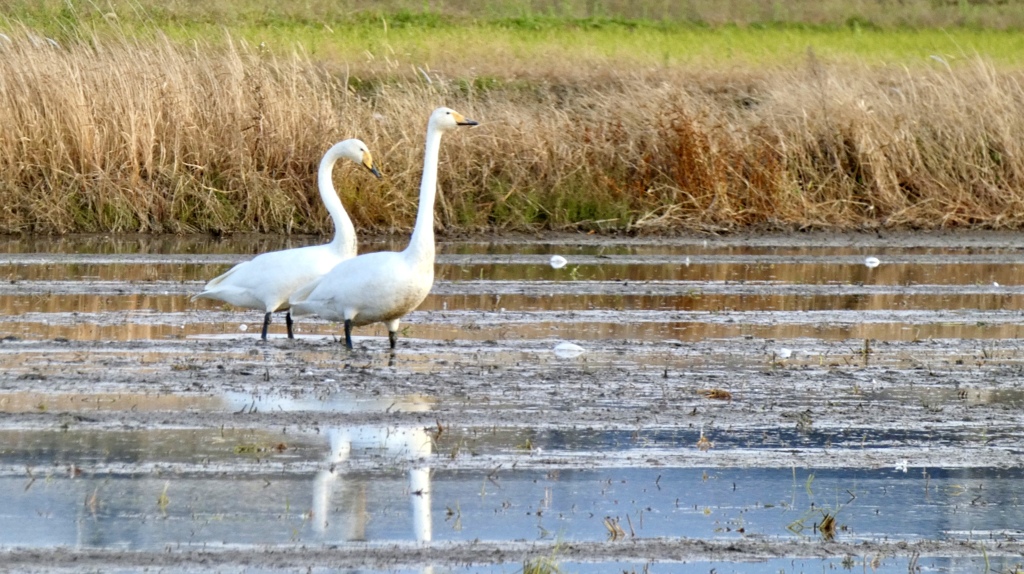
{"x":134,"y":419}
{"x":145,"y":488}
{"x":420,"y":505}
{"x":140,"y":289}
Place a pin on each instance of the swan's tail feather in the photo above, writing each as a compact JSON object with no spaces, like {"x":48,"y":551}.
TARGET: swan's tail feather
{"x":303,"y":293}
{"x":219,"y":279}
{"x":210,"y":289}
{"x":300,"y":309}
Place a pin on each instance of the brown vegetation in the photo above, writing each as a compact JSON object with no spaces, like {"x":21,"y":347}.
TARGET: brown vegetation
{"x":149,"y":135}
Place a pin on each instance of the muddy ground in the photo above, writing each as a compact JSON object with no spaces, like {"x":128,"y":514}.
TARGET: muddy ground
{"x":802,"y":401}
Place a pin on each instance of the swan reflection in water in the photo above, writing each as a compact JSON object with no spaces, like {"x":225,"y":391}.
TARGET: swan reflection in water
{"x":340,"y":486}
{"x":401,"y":446}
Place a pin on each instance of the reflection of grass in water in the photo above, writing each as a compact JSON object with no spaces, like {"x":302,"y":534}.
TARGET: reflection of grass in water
{"x":163,"y":501}
{"x":827,"y":526}
{"x":455,"y":516}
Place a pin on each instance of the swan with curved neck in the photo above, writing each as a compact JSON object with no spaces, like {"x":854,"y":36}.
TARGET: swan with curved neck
{"x":266,"y":282}
{"x":382,"y":287}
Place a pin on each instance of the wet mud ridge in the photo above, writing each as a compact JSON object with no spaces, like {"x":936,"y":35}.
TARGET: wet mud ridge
{"x":697,"y":402}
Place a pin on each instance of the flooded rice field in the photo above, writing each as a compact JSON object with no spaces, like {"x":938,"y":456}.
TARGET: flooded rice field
{"x":704,"y":404}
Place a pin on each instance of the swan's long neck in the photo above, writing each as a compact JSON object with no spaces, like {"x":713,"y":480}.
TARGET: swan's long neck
{"x":344,"y":242}
{"x":421,"y":246}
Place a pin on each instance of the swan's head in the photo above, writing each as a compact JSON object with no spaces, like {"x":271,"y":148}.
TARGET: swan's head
{"x":445,"y":119}
{"x":357,"y":151}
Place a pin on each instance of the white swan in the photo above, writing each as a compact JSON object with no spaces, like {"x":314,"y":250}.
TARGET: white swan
{"x":267,"y":281}
{"x":384,"y":286}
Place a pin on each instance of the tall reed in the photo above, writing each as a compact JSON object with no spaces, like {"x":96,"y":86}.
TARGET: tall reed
{"x":128,"y":134}
{"x":146,"y":135}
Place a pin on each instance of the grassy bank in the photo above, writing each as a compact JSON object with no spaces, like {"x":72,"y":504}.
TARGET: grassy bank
{"x":509,"y":38}
{"x":915,"y":14}
{"x":148,"y":118}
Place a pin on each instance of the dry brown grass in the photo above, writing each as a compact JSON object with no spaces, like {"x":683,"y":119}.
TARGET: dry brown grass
{"x":148,"y":135}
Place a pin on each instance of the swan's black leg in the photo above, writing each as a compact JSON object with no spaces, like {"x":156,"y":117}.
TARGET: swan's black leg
{"x":348,"y":333}
{"x":288,"y":321}
{"x":393,"y":339}
{"x":266,"y":323}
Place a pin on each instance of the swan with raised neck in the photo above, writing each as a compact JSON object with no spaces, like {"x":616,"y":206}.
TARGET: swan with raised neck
{"x":386,"y":285}
{"x":267,"y":281}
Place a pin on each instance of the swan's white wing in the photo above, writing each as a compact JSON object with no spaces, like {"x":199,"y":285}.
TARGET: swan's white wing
{"x":266,"y":282}
{"x":373,"y":287}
